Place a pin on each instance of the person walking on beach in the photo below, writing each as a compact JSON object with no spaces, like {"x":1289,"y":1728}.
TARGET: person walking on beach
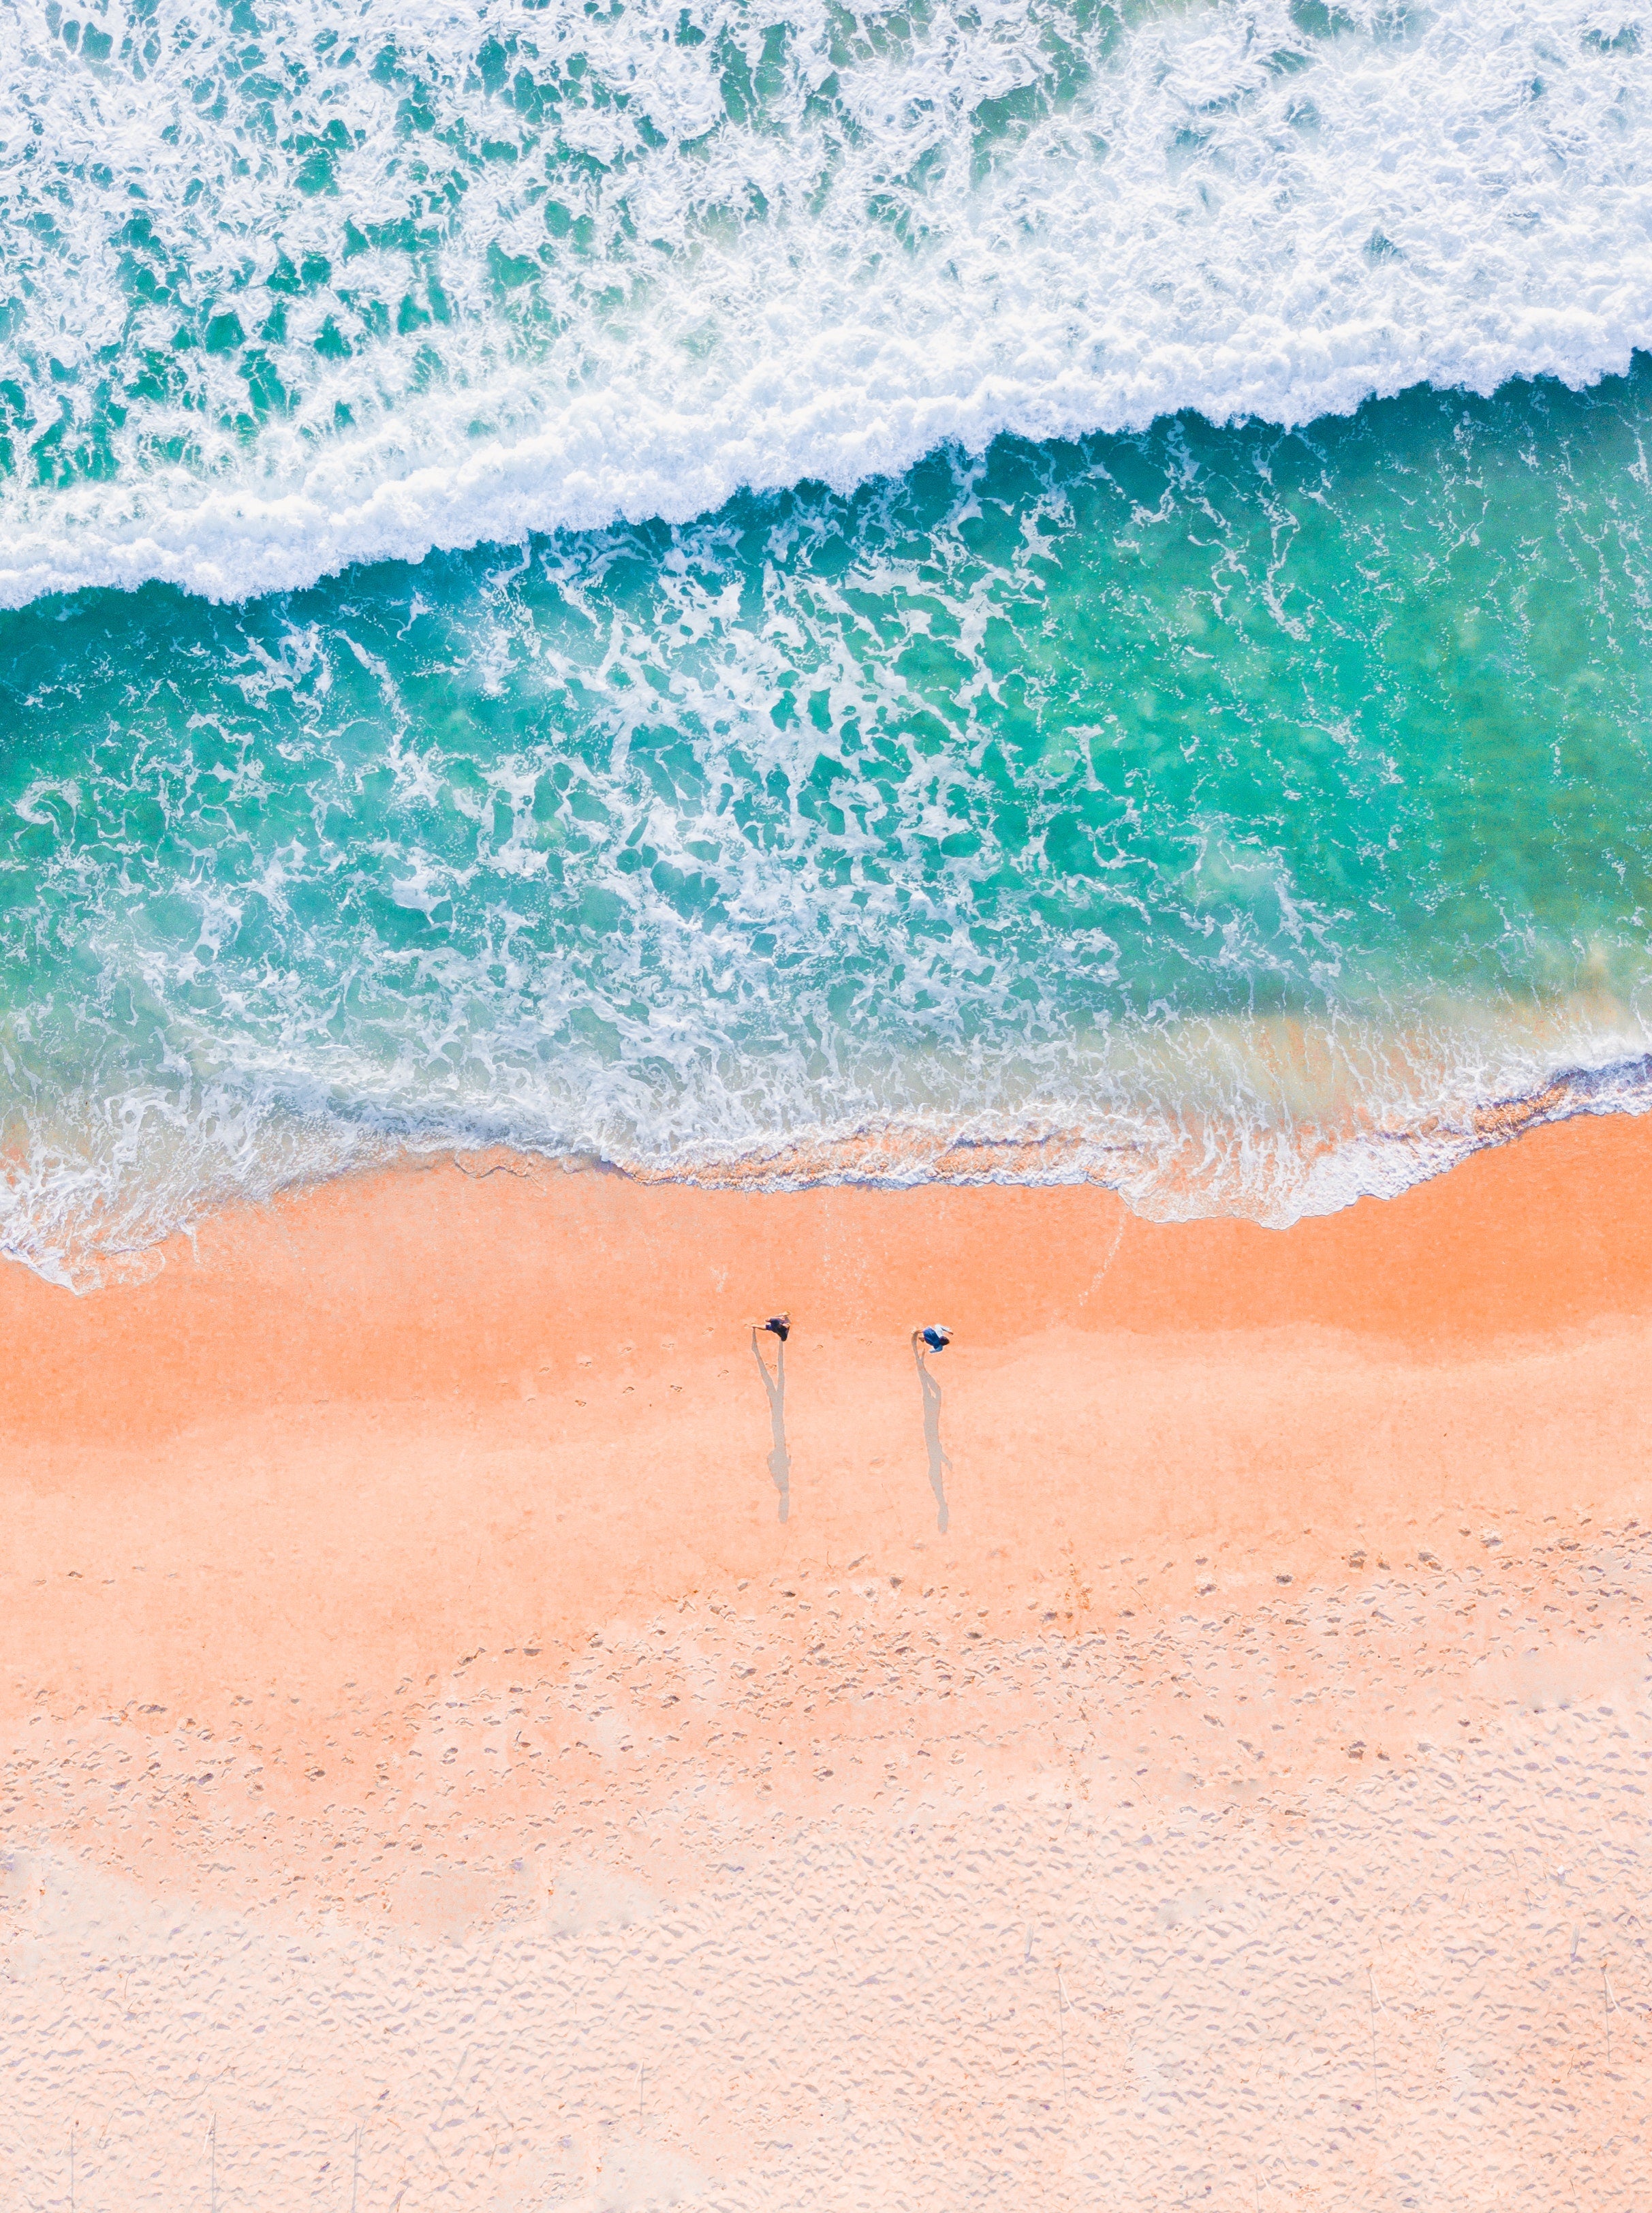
{"x":775,"y":1384}
{"x":934,"y":1337}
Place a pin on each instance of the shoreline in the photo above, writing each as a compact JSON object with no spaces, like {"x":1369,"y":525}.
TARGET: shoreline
{"x":1334,"y":1166}
{"x":396,"y":1604}
{"x":1298,"y":1393}
{"x":1447,"y":1259}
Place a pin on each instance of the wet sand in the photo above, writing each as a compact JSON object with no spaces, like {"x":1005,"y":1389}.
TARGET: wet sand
{"x":1193,"y":1741}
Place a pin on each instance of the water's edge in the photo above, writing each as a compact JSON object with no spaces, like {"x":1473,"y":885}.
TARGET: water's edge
{"x":1382,"y":1164}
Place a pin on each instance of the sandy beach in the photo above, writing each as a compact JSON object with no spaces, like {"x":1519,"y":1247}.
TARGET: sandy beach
{"x":470,"y":1740}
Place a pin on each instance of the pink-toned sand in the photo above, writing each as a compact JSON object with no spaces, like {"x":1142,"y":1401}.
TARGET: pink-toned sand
{"x":437,"y":1775}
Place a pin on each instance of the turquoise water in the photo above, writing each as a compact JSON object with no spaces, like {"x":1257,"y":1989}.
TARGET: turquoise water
{"x":917,"y":682}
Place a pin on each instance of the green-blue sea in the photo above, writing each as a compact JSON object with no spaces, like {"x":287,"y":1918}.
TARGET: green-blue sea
{"x":768,"y":594}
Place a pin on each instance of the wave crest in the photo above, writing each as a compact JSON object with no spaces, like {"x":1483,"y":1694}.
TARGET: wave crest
{"x":383,"y":281}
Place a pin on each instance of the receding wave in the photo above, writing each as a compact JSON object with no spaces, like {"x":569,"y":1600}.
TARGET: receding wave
{"x":295,"y":286}
{"x":1273,"y":1123}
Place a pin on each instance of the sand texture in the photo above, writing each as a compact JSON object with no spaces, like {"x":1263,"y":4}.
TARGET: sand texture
{"x":467,"y":1744}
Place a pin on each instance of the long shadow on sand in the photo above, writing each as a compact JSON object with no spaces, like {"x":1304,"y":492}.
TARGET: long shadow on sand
{"x":939,"y":1462}
{"x":775,"y":1385}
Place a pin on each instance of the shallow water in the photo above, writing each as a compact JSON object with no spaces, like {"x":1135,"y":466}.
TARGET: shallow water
{"x":1100,"y":780}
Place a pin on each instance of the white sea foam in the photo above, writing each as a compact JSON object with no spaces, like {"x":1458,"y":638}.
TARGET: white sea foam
{"x":961,"y":837}
{"x":633,"y":274}
{"x":1272,"y":1121}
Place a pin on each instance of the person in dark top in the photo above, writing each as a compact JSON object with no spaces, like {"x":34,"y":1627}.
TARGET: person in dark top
{"x":935,"y":1337}
{"x":775,"y":1384}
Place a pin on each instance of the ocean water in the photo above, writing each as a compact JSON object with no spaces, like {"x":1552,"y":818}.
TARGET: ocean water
{"x":1038,"y":591}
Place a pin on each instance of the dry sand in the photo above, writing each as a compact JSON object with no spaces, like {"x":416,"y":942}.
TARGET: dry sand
{"x":436,"y":1774}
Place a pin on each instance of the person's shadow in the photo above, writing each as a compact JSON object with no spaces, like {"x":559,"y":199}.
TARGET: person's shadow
{"x":775,"y":1385}
{"x":939,"y":1462}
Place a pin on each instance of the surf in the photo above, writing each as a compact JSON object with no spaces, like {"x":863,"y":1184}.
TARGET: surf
{"x":1234,"y":815}
{"x":288,"y":288}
